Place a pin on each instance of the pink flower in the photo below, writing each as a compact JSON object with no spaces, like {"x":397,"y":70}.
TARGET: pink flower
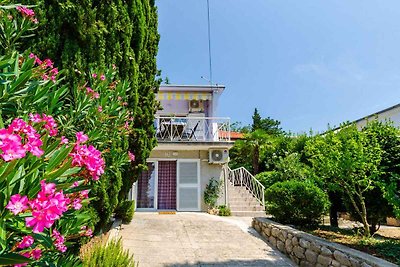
{"x":87,"y":231}
{"x":94,"y":75}
{"x":90,"y":158}
{"x":131,"y":156}
{"x":77,"y":203}
{"x":75,"y":184}
{"x":119,"y":98}
{"x":36,"y":253}
{"x":47,"y":189}
{"x":81,"y":137}
{"x":25,"y":12}
{"x":96,"y":95}
{"x":50,"y":124}
{"x":89,"y":90}
{"x":47,"y":63}
{"x":47,"y":207}
{"x":102,"y":77}
{"x":59,"y":241}
{"x":84,"y":193}
{"x":114,"y":67}
{"x":100,"y":109}
{"x":125,"y":104}
{"x":17,"y":204}
{"x":64,"y":140}
{"x":36,"y":118}
{"x":11,"y":146}
{"x":26,"y":242}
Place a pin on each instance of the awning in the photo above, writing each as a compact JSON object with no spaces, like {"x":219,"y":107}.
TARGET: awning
{"x":183,"y":96}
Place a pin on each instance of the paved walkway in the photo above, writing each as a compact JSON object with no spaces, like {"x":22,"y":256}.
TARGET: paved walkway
{"x":197,"y":239}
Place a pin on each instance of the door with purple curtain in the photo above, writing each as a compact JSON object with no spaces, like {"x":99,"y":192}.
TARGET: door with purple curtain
{"x":166,"y":185}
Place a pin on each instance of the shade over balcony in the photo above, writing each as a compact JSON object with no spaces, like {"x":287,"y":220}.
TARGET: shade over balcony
{"x":165,"y":95}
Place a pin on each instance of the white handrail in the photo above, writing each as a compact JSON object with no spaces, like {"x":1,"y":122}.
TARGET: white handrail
{"x":241,"y":176}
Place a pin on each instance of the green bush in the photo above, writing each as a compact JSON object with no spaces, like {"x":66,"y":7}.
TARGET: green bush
{"x":211,"y":193}
{"x":224,"y":211}
{"x":296,"y":202}
{"x":107,"y":255}
{"x":125,"y":211}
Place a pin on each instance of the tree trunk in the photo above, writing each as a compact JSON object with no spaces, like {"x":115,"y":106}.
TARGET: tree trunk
{"x":333,"y":219}
{"x":362,"y":213}
{"x":256,"y":157}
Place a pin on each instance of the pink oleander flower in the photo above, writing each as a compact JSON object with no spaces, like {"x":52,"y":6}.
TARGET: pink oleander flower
{"x":125,"y":104}
{"x":96,"y":95}
{"x":47,"y":207}
{"x":17,"y":204}
{"x":89,"y":90}
{"x":75,"y":184}
{"x":119,"y":98}
{"x":90,"y":158}
{"x":35,"y":20}
{"x":84,"y":194}
{"x":11,"y":146}
{"x":131,"y":156}
{"x":126,"y":126}
{"x":100,"y":109}
{"x":50,"y":124}
{"x":59,"y":241}
{"x":87,"y":231}
{"x":36,"y":118}
{"x":94,"y":75}
{"x":25,"y":12}
{"x":114,"y":66}
{"x":26,"y":242}
{"x":36,"y":253}
{"x":77,"y":204}
{"x":102,"y":77}
{"x":64,"y":140}
{"x":81,"y":137}
{"x":47,"y":63}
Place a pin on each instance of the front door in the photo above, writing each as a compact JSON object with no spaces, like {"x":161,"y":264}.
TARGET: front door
{"x":166,"y":198}
{"x":188,"y":185}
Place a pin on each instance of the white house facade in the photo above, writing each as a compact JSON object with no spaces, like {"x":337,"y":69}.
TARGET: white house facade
{"x":193,"y":147}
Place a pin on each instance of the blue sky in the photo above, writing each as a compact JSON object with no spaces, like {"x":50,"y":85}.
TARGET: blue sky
{"x":305,"y":63}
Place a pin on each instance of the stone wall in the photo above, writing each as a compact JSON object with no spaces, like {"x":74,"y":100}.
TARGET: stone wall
{"x":308,"y":250}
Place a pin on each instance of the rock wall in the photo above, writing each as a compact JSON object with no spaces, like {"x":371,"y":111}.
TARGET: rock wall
{"x":308,"y":250}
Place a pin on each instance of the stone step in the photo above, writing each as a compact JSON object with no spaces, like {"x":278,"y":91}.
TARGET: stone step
{"x":244,"y":202}
{"x":248,"y":213}
{"x":246,"y":208}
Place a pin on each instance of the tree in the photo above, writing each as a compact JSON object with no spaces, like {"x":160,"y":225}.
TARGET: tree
{"x":268,"y":125}
{"x":347,"y":160}
{"x":84,"y":35}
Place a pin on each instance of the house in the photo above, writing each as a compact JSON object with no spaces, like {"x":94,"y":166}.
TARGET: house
{"x":391,"y":113}
{"x":193,"y":145}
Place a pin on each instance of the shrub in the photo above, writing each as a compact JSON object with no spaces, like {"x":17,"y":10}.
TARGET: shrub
{"x":211,"y":193}
{"x":224,"y":211}
{"x":296,"y":202}
{"x":107,"y":255}
{"x":125,"y":211}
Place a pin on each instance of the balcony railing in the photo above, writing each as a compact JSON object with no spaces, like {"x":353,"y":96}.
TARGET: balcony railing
{"x":192,"y":129}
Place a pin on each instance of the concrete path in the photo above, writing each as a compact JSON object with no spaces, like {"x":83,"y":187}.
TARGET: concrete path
{"x":197,"y":239}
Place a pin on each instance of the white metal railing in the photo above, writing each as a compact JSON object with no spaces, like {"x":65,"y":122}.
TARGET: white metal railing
{"x":242,"y":177}
{"x":192,"y":129}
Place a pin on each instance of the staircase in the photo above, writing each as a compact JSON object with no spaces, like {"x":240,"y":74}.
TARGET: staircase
{"x":245,"y":194}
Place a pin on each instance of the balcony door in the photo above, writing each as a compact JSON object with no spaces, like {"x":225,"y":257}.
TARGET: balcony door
{"x":188,"y":185}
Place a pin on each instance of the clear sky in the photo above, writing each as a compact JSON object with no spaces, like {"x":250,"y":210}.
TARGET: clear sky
{"x":306,"y":63}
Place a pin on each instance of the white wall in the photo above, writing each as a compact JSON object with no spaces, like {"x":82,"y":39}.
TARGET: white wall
{"x":392,"y":114}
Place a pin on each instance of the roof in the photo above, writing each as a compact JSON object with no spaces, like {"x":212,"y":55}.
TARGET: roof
{"x":377,"y":113}
{"x":192,"y":88}
{"x":234,"y":135}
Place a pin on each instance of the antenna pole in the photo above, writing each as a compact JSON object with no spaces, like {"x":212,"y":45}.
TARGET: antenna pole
{"x":209,"y":40}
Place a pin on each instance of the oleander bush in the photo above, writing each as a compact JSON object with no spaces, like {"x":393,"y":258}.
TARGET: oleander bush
{"x":296,"y":202}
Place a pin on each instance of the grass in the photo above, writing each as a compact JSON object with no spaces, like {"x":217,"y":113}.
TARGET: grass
{"x":380,"y":246}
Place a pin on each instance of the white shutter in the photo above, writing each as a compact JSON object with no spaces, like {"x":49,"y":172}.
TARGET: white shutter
{"x":188,"y":185}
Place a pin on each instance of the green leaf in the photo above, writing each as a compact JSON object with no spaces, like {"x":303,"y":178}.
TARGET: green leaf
{"x":58,"y":157}
{"x":12,"y":258}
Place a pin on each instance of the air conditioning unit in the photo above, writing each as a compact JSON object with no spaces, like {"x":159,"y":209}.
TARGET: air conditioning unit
{"x":218,"y":155}
{"x":196,"y":106}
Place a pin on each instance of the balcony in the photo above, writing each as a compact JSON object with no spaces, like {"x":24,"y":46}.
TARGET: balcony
{"x":192,"y":129}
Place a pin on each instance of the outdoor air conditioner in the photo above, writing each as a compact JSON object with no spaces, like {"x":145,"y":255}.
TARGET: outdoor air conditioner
{"x":196,"y":106}
{"x":218,"y":155}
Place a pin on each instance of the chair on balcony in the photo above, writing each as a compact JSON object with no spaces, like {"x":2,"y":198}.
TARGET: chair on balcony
{"x":190,"y":133}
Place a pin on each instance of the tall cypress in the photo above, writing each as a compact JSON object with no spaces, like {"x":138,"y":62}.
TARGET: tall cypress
{"x":83,"y":34}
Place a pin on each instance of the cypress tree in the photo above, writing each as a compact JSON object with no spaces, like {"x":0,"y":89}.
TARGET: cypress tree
{"x":80,"y":35}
